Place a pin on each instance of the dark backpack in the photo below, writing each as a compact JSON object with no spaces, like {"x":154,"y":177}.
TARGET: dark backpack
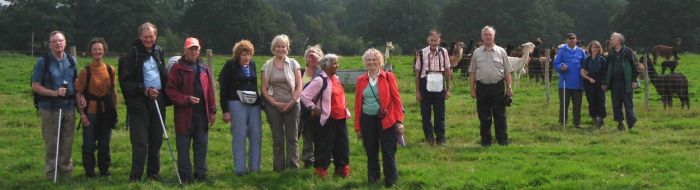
{"x":304,"y":112}
{"x":110,"y":114}
{"x":46,"y":78}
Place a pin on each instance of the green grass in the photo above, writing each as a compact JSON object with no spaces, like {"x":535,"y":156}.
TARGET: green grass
{"x":661,"y":153}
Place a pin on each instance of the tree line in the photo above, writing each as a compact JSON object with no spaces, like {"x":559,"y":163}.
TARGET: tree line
{"x":347,"y":26}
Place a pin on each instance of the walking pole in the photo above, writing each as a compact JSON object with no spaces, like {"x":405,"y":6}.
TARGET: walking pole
{"x":58,"y":135}
{"x":165,"y":133}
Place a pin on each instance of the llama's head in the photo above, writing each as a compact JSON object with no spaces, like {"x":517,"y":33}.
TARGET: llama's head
{"x":528,"y":47}
{"x":389,"y":45}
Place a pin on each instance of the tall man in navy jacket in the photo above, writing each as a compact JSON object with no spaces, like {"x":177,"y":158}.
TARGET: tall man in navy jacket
{"x":568,"y":64}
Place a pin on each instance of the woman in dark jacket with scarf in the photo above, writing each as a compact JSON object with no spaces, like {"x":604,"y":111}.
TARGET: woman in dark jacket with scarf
{"x":192,"y":92}
{"x":240,"y":103}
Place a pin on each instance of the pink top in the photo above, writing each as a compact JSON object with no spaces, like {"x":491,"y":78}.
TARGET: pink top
{"x":312,"y":91}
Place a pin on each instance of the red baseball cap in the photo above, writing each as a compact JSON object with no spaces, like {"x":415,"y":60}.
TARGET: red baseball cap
{"x":189,"y":42}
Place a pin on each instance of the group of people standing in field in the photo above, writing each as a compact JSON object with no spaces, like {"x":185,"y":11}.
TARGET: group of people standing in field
{"x":306,"y":103}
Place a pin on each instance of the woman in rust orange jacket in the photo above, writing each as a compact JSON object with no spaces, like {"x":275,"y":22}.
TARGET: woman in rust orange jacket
{"x":378,"y":117}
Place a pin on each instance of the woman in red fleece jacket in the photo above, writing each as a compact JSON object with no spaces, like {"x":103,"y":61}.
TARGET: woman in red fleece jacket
{"x":378,"y":116}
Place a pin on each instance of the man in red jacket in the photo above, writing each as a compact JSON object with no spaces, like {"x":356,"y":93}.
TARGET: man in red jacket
{"x":192,"y":93}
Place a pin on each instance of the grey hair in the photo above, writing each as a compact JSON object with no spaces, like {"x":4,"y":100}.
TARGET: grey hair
{"x":314,"y":50}
{"x":327,"y":60}
{"x":619,"y":37}
{"x":487,"y":27}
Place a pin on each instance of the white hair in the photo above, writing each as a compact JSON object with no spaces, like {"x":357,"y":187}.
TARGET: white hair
{"x":487,"y":27}
{"x":619,"y":37}
{"x":327,"y":60}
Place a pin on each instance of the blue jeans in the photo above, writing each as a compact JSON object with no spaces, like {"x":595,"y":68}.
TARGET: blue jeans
{"x":96,"y":136}
{"x":246,"y":124}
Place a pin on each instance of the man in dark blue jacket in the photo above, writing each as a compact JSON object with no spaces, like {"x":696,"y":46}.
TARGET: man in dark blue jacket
{"x":568,"y":64}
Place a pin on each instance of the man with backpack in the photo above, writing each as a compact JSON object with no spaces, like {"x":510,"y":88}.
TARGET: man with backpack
{"x":433,"y":73}
{"x":142,"y":79}
{"x":53,"y":80}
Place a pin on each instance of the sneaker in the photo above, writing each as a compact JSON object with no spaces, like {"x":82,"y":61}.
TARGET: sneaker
{"x":322,"y":172}
{"x":343,"y":172}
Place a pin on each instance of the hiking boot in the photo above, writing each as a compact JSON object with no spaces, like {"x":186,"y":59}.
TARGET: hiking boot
{"x":620,"y":126}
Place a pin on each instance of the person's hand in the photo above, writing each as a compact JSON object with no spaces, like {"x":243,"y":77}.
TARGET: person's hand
{"x":85,"y":121}
{"x":400,"y":128}
{"x":447,"y":94}
{"x":564,"y":67}
{"x":227,"y":117}
{"x":634,"y":85}
{"x":288,"y":106}
{"x":61,"y":92}
{"x":604,"y":87}
{"x":359,"y":134}
{"x":591,"y":80}
{"x":418,"y":98}
{"x":81,"y":102}
{"x":472,"y":93}
{"x":509,"y":92}
{"x":212,"y":119}
{"x":193,"y":100}
{"x":152,"y":93}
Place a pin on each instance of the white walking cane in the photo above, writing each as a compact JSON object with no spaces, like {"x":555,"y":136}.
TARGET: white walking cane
{"x":564,"y":110}
{"x":165,"y":133}
{"x":58,"y":135}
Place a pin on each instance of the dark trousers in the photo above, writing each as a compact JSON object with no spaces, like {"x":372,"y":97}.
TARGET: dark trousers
{"x":146,"y":139}
{"x":596,"y":99}
{"x":374,"y":137}
{"x":432,"y":103}
{"x":197,"y":138}
{"x":620,"y":97}
{"x":491,"y":108}
{"x":566,"y":99}
{"x":331,"y":141}
{"x":96,"y":136}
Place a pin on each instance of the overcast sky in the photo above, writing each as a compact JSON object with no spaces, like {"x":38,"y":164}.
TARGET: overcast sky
{"x":2,"y":2}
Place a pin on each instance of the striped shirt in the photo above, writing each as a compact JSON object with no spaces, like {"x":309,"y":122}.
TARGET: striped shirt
{"x":437,"y":61}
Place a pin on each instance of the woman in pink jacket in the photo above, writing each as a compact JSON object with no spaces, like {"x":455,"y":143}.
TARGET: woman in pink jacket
{"x":326,"y":98}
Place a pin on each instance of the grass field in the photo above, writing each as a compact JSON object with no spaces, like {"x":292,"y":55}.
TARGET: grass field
{"x":661,"y":153}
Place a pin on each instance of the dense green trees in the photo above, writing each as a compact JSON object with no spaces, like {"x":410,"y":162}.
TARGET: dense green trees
{"x":347,"y":26}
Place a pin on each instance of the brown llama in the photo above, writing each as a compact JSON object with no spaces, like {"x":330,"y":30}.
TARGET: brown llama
{"x":668,"y":85}
{"x":666,"y":51}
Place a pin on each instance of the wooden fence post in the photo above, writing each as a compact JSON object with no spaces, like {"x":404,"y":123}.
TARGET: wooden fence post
{"x":73,"y":52}
{"x":210,"y":60}
{"x":546,"y":75}
{"x":646,"y":80}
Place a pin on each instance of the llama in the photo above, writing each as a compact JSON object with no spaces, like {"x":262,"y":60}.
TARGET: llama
{"x":666,"y":51}
{"x":387,"y":51}
{"x":669,"y":65}
{"x":668,"y":85}
{"x":518,"y":64}
{"x":535,"y":69}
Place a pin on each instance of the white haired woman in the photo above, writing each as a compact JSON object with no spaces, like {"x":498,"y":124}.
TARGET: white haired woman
{"x":378,"y":116}
{"x":326,"y":98}
{"x":281,"y":88}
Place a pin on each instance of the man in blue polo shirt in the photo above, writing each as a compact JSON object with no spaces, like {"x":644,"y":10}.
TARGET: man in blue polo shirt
{"x":52,"y":80}
{"x":568,"y":64}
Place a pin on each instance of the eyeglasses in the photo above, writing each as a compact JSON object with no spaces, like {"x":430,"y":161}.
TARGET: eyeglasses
{"x":57,"y":41}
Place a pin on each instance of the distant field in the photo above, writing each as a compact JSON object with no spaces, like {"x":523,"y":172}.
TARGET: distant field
{"x":661,"y":153}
